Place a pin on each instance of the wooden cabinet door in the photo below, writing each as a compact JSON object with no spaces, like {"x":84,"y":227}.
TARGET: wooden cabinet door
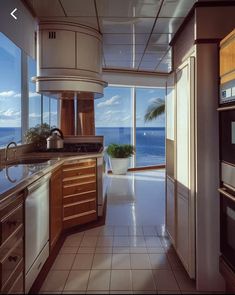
{"x":55,"y":207}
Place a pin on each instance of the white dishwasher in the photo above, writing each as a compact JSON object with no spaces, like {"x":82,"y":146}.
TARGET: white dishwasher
{"x":36,"y":229}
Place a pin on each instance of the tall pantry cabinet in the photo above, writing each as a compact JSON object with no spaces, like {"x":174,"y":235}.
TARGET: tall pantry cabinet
{"x":180,"y":202}
{"x":192,"y":144}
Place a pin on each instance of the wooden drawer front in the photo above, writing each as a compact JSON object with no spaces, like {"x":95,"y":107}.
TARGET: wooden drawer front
{"x":15,"y":283}
{"x":79,"y":164}
{"x":79,"y":197}
{"x":78,"y":171}
{"x":17,"y":287}
{"x":79,"y":179}
{"x":11,"y":261}
{"x":79,"y":219}
{"x":11,"y":204}
{"x":10,"y":223}
{"x":79,"y":208}
{"x":78,"y":188}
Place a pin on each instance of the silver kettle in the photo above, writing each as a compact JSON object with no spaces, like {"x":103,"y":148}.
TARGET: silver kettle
{"x":55,"y":140}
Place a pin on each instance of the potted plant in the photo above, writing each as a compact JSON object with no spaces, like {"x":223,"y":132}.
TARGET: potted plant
{"x":38,"y":135}
{"x":119,"y":157}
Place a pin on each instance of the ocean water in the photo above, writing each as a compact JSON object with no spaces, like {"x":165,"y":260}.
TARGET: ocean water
{"x":150,"y":142}
{"x":8,"y":134}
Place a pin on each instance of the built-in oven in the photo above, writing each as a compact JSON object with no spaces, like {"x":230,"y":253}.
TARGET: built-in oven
{"x":227,"y":135}
{"x":227,"y":211}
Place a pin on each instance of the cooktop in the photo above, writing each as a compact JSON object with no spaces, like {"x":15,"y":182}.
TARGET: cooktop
{"x":79,"y":148}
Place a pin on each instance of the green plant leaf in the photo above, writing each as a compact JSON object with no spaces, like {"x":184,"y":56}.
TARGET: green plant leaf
{"x":120,"y":150}
{"x":156,"y":109}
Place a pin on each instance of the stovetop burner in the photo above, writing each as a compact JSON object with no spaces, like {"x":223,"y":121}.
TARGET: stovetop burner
{"x":79,"y":148}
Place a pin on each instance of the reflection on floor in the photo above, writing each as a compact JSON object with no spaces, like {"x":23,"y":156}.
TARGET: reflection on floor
{"x":131,"y":254}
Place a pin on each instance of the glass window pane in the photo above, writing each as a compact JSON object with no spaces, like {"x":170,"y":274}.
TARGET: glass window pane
{"x":150,"y":135}
{"x":34,"y":97}
{"x":113,"y":115}
{"x":10,"y":91}
{"x":46,"y":109}
{"x":54,"y":112}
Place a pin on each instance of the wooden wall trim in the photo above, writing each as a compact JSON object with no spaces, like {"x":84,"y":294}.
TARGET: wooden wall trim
{"x":206,"y":41}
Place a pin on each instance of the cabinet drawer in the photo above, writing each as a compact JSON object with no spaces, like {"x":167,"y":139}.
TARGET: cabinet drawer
{"x":79,"y":171}
{"x":79,"y":207}
{"x":79,"y":164}
{"x":11,"y":261}
{"x":10,"y":223}
{"x":17,"y":287}
{"x":79,"y":179}
{"x":79,"y":188}
{"x":79,"y":197}
{"x":79,"y":219}
{"x":15,"y":284}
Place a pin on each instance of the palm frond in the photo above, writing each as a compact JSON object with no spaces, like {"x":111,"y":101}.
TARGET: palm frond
{"x":156,"y":109}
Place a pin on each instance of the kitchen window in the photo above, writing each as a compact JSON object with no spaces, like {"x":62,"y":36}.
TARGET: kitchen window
{"x":10,"y":91}
{"x":120,"y":118}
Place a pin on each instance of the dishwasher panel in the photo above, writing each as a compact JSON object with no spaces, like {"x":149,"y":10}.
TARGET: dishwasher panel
{"x":36,"y":220}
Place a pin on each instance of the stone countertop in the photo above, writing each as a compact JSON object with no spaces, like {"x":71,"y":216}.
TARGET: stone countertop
{"x":16,"y":177}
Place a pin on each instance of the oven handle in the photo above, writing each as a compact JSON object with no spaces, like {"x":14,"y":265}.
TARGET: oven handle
{"x":226,"y":194}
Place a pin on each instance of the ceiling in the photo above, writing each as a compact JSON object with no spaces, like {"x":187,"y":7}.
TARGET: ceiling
{"x":136,"y":33}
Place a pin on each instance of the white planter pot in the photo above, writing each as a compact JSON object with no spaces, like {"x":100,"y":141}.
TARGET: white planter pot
{"x":119,"y":165}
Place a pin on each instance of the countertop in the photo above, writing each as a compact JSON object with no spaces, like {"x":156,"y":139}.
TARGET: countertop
{"x":16,"y":177}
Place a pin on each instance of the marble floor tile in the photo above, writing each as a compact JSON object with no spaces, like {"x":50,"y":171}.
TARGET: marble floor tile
{"x":83,"y":261}
{"x":140,"y":261}
{"x":165,"y":280}
{"x":77,"y":280}
{"x":63,"y":262}
{"x":99,"y":280}
{"x":121,"y":261}
{"x":142,"y":280}
{"x":121,"y":280}
{"x":55,"y":281}
{"x":102,"y":261}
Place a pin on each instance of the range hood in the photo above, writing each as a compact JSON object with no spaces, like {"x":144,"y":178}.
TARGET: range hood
{"x":69,"y":59}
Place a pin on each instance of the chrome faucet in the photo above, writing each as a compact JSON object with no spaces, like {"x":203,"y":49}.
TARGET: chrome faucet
{"x":7,"y":148}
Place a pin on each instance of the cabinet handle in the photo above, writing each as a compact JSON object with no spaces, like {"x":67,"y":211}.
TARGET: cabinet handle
{"x":13,"y":258}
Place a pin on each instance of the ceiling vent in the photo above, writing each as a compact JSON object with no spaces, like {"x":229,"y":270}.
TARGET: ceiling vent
{"x":52,"y":35}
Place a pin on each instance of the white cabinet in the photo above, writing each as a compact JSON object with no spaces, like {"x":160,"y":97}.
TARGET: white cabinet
{"x":89,"y":60}
{"x":184,"y":162}
{"x":170,"y":205}
{"x":183,"y":230}
{"x":58,"y":50}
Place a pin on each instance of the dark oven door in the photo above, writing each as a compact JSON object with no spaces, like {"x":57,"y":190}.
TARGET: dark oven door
{"x":227,"y":135}
{"x":227,"y":225}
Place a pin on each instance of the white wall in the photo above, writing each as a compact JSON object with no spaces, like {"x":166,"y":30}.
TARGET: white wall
{"x":20,"y":31}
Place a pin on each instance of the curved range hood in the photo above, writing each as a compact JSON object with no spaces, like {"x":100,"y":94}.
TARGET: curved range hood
{"x":69,"y":59}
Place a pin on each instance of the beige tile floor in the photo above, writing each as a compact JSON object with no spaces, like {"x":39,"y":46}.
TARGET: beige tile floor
{"x":131,"y":254}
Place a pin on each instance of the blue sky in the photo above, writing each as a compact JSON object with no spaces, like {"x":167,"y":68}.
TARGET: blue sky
{"x":10,"y":89}
{"x":115,"y":108}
